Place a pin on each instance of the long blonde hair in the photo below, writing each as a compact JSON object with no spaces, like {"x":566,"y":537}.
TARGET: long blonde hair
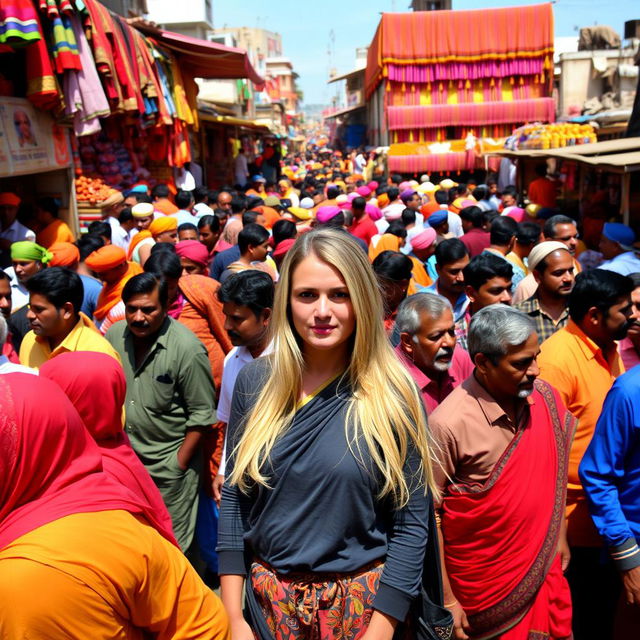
{"x":386,"y":409}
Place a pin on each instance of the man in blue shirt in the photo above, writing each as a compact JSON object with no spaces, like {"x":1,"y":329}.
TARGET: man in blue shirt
{"x":610,"y":474}
{"x":616,"y":245}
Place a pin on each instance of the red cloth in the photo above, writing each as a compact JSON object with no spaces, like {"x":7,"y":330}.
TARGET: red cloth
{"x":9,"y":351}
{"x":544,"y":192}
{"x":80,"y":374}
{"x":476,"y":241}
{"x":50,"y":467}
{"x":501,"y":541}
{"x":365,"y":229}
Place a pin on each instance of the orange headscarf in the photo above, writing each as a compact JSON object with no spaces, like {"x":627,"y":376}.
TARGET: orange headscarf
{"x":111,"y":294}
{"x":65,"y":254}
{"x":161,"y":225}
{"x":388,"y":242}
{"x":271,"y":216}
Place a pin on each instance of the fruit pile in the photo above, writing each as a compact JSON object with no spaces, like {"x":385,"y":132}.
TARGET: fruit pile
{"x":105,"y":165}
{"x":551,"y":136}
{"x":92,"y":190}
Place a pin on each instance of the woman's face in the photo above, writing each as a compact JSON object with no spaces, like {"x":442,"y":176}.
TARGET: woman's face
{"x":321,"y":307}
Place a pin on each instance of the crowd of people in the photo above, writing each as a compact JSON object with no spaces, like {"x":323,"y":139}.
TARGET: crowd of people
{"x":363,"y":408}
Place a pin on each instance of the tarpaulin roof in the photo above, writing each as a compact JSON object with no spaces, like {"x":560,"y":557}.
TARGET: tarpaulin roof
{"x":209,"y":60}
{"x":459,"y":38}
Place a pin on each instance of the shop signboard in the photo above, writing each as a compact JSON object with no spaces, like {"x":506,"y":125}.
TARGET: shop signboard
{"x":30,"y":140}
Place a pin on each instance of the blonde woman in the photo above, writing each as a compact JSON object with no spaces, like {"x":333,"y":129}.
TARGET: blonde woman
{"x":324,"y":514}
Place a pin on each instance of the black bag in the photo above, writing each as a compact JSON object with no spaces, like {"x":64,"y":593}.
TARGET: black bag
{"x":430,"y":620}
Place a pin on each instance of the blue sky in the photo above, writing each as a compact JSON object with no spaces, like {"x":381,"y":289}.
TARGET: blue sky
{"x":305,"y":27}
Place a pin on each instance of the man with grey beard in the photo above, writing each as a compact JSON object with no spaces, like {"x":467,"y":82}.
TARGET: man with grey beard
{"x":502,"y":442}
{"x":428,"y":347}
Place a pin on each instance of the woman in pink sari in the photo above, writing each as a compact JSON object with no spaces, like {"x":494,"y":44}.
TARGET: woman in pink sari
{"x":97,"y":389}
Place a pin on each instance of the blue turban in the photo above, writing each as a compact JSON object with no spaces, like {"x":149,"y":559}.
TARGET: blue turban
{"x":438,"y":217}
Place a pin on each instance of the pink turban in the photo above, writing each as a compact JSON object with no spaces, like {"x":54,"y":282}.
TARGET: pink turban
{"x":424,"y":239}
{"x":324,"y":214}
{"x":363,"y":191}
{"x":517,"y":214}
{"x":373,"y":211}
{"x":194,"y":251}
{"x":373,"y":185}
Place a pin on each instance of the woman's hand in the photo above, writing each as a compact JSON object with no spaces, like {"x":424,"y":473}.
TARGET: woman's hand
{"x":460,"y":622}
{"x":240,"y":629}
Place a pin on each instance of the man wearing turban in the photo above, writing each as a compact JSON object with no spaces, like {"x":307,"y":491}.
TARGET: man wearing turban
{"x":27,"y":259}
{"x":164,"y":229}
{"x":110,"y":265}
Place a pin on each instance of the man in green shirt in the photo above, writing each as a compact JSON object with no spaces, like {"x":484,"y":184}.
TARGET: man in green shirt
{"x":170,"y":397}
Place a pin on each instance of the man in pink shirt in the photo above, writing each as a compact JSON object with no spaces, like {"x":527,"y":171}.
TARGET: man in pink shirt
{"x":428,"y":348}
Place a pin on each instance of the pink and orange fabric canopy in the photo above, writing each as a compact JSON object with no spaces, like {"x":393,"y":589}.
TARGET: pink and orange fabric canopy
{"x":428,"y":46}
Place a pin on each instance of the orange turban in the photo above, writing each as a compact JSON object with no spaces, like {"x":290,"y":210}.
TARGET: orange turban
{"x":383,"y":200}
{"x":65,"y":254}
{"x":162,"y":225}
{"x":106,"y":258}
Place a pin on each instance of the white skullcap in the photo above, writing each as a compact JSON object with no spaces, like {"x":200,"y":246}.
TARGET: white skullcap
{"x":542,"y":250}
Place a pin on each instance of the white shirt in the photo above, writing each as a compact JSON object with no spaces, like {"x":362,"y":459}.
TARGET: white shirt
{"x":19,"y":293}
{"x":6,"y":366}
{"x":119,"y":237}
{"x":17,"y":232}
{"x":203,"y":209}
{"x":455,"y":224}
{"x":234,"y":361}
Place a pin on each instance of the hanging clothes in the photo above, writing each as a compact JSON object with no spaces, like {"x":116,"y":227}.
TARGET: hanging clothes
{"x":84,"y":96}
{"x":19,"y":23}
{"x":103,"y":55}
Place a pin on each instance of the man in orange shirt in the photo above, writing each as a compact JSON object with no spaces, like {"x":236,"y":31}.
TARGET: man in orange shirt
{"x":543,"y":190}
{"x":581,"y":361}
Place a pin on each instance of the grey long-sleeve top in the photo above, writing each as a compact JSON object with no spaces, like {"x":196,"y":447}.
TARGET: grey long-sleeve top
{"x":321,"y":513}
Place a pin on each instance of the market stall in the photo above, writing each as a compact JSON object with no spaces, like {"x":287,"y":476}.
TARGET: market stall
{"x":596,"y":179}
{"x":35,"y":159}
{"x":125,"y":89}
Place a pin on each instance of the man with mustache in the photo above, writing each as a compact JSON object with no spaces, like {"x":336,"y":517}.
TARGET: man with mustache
{"x":499,"y":432}
{"x":170,"y":400}
{"x":581,"y":361}
{"x":247,"y":301}
{"x":428,"y":347}
{"x":552,"y":267}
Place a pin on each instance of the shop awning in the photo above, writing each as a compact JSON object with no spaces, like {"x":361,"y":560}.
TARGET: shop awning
{"x":343,"y":112}
{"x":619,"y":156}
{"x":234,"y":122}
{"x":349,"y":74}
{"x":208,"y":60}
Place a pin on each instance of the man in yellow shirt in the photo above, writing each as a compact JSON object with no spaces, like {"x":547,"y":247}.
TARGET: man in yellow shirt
{"x":57,"y":325}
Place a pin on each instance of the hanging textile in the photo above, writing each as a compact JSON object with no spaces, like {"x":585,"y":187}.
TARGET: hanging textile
{"x":19,"y":23}
{"x":84,"y":96}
